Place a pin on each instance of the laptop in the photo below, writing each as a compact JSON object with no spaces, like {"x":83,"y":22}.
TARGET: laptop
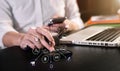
{"x":105,"y":36}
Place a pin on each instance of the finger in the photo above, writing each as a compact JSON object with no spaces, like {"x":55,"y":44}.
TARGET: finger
{"x":47,"y":34}
{"x":30,"y":40}
{"x":42,"y":40}
{"x":46,"y":44}
{"x":35,"y":37}
{"x":35,"y":40}
{"x":59,"y":25}
{"x":51,"y":28}
{"x":26,"y":43}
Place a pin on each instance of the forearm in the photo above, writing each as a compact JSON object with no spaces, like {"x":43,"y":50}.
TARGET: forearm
{"x":12,"y":39}
{"x":73,"y":15}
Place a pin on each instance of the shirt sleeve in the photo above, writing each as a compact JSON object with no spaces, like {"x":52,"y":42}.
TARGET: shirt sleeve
{"x":6,"y":23}
{"x":72,"y":12}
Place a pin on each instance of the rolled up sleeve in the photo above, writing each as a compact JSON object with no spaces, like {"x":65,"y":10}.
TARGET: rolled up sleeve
{"x":6,"y":23}
{"x":4,"y":28}
{"x":72,"y":12}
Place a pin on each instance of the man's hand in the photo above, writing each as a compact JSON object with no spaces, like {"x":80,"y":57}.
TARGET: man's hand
{"x":34,"y":38}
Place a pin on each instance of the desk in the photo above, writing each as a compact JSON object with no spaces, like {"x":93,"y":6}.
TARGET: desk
{"x":84,"y":59}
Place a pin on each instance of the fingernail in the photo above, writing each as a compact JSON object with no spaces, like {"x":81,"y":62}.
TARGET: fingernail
{"x":52,"y":49}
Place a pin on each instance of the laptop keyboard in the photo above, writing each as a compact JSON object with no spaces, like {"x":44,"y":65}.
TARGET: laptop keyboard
{"x":107,"y":35}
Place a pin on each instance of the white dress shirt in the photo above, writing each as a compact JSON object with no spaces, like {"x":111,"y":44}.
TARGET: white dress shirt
{"x":20,"y":15}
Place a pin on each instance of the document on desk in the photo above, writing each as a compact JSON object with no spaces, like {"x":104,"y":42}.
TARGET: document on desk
{"x":105,"y":17}
{"x":105,"y":36}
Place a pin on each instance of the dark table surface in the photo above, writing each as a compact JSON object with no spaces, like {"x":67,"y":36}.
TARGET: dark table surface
{"x":84,"y":58}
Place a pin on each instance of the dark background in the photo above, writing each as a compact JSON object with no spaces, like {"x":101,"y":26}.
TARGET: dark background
{"x":89,"y":8}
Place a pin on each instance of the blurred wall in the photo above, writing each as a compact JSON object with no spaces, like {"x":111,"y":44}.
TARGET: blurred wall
{"x":89,"y":8}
